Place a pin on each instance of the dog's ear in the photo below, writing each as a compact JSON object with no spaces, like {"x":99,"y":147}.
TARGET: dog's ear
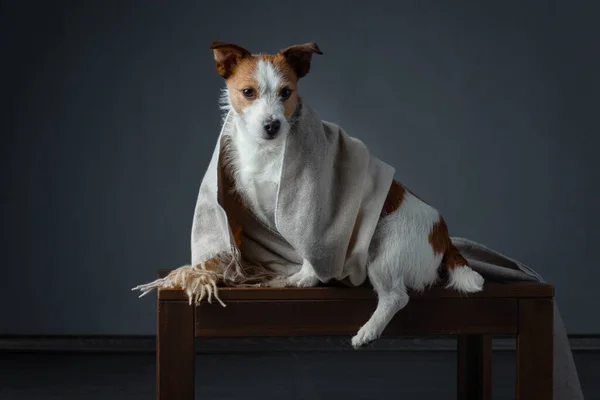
{"x":299,"y":57}
{"x":227,"y":55}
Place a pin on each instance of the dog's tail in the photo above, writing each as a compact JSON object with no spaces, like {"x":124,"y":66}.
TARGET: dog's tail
{"x":460,"y":276}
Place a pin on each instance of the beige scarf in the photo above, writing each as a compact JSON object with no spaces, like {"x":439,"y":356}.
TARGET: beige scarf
{"x":329,"y":201}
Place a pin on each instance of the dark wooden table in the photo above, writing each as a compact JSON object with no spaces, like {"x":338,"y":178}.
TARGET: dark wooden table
{"x":521,"y":309}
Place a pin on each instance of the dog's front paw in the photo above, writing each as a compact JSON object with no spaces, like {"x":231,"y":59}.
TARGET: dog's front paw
{"x":306,"y":277}
{"x":364,"y":337}
{"x":279,"y":282}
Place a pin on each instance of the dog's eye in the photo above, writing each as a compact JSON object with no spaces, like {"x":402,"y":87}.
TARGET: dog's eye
{"x":248,"y":93}
{"x":286,"y":93}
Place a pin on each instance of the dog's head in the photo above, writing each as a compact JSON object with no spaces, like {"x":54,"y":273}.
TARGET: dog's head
{"x":263,"y":88}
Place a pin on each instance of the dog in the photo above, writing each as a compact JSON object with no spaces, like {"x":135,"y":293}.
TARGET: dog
{"x":410,"y":245}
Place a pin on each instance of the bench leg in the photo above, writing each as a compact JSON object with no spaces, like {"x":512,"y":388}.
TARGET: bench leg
{"x":474,"y":380}
{"x":535,"y":350}
{"x":175,"y":351}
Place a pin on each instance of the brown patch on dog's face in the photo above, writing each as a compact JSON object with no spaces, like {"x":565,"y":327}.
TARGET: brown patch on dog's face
{"x":239,"y":67}
{"x":241,"y":80}
{"x":394,"y":198}
{"x":244,"y":87}
{"x":290,"y":81}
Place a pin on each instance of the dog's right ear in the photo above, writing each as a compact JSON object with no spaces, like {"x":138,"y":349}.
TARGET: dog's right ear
{"x":227,"y":55}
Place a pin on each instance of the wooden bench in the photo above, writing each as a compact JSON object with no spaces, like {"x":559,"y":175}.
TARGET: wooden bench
{"x":521,"y":309}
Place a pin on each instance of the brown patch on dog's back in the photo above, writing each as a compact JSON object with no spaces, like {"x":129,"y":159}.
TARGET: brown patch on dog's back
{"x":441,"y":244}
{"x":438,"y":237}
{"x":394,"y":198}
{"x":453,"y":258}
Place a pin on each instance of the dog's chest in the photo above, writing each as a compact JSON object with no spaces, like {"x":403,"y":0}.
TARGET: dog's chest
{"x":259,"y":187}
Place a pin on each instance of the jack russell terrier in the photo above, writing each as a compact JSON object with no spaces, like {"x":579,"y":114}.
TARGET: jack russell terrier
{"x":410,"y":245}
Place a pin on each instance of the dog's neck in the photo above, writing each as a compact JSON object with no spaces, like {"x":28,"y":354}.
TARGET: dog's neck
{"x":251,"y":160}
{"x":254,"y":160}
{"x":255,"y":168}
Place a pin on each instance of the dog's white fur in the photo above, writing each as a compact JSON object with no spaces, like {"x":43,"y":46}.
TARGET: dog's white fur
{"x":400,"y":255}
{"x":255,"y":163}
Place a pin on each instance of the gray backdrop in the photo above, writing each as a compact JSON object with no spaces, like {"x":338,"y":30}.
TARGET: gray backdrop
{"x":109,"y":117}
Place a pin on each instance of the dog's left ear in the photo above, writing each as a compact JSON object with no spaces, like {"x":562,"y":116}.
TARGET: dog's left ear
{"x":300,"y":56}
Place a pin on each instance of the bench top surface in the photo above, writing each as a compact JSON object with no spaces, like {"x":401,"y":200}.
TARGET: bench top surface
{"x":365,"y":292}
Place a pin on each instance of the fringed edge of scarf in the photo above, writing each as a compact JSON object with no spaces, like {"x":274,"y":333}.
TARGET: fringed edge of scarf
{"x":202,"y":280}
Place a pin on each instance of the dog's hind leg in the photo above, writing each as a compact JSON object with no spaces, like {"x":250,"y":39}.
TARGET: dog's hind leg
{"x":392,"y":297}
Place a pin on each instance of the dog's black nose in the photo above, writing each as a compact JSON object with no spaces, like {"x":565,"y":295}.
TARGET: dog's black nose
{"x":272,"y":127}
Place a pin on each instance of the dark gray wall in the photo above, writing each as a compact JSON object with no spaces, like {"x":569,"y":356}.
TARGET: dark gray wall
{"x":109,"y":117}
